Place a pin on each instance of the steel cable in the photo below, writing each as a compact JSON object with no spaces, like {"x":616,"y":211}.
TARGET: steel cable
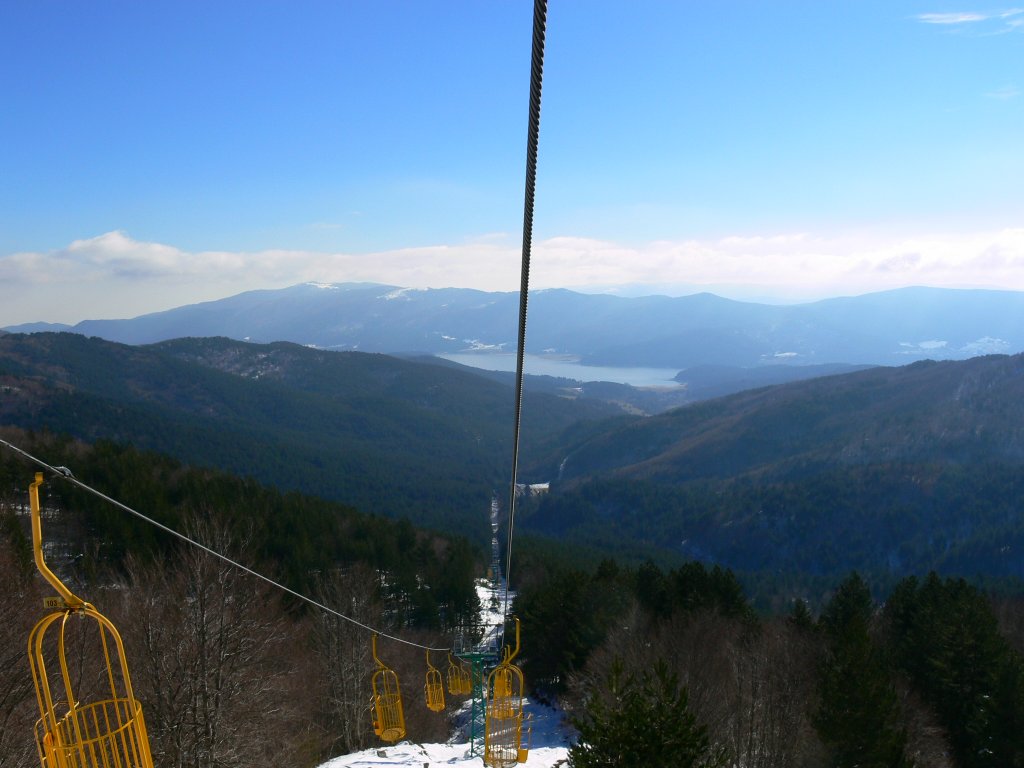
{"x":540,"y":12}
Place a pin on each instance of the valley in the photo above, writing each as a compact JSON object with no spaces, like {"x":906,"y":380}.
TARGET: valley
{"x":888,"y":470}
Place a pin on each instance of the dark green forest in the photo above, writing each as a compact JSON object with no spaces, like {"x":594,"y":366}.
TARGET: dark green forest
{"x":796,"y":536}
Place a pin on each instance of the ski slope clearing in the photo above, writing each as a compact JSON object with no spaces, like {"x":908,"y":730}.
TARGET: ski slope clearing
{"x":551,"y":736}
{"x":550,"y":748}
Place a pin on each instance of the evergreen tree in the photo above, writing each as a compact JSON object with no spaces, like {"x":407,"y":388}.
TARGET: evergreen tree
{"x":944,"y":635}
{"x":858,"y":714}
{"x":652,"y":590}
{"x":567,"y":616}
{"x":642,"y":722}
{"x":800,"y":616}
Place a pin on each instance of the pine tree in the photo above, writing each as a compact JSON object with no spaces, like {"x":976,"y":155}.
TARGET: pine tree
{"x":858,"y":715}
{"x":945,"y":636}
{"x":642,"y":722}
{"x":800,"y":616}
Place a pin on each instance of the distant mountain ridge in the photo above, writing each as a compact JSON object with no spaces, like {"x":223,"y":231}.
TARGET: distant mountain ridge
{"x":888,"y":328}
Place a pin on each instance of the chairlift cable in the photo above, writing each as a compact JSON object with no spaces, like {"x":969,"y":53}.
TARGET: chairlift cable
{"x":540,"y":10}
{"x":65,"y":473}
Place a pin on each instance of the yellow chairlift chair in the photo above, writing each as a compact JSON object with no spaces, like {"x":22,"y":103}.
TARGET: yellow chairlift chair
{"x":389,"y":719}
{"x":79,"y":729}
{"x":459,"y":681}
{"x":434,"y":689}
{"x":503,"y":735}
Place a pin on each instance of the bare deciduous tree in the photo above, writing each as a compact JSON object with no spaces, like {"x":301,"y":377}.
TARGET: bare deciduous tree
{"x":18,"y":708}
{"x":212,"y":661}
{"x":771,"y":687}
{"x":751,"y":686}
{"x":343,"y":658}
{"x":927,"y":742}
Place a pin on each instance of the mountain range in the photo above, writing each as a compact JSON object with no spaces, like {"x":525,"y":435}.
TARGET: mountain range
{"x":888,"y":328}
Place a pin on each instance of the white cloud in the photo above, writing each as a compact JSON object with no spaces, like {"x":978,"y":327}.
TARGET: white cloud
{"x":114,"y":275}
{"x":1004,"y":93}
{"x":998,"y":22}
{"x":800,"y":266}
{"x":951,"y":18}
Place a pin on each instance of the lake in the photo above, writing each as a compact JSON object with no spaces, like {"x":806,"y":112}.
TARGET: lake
{"x":566,"y":367}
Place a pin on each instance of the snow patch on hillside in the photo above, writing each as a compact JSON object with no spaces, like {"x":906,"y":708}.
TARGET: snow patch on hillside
{"x":476,"y":345}
{"x":986,"y":345}
{"x":400,"y":293}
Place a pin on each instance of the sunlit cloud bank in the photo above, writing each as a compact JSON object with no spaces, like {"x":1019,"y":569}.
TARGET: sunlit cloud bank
{"x":114,"y":275}
{"x":798,"y":266}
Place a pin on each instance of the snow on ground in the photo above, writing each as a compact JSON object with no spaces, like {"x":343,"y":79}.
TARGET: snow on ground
{"x":549,"y":748}
{"x":550,"y":738}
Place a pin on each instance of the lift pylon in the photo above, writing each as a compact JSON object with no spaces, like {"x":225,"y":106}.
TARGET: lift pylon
{"x":81,"y":729}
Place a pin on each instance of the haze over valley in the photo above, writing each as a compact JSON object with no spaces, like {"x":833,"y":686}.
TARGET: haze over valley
{"x":652,"y":332}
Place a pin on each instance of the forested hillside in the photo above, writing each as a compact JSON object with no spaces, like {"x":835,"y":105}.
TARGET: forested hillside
{"x":294,"y":536}
{"x":957,"y":412}
{"x":384,"y":435}
{"x":893,"y":471}
{"x":931,"y":677}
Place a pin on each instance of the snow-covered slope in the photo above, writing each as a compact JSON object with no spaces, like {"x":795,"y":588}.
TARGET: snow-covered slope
{"x":550,"y":738}
{"x":549,"y":748}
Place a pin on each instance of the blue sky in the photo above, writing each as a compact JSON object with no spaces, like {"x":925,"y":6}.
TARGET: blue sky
{"x":154,"y":154}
